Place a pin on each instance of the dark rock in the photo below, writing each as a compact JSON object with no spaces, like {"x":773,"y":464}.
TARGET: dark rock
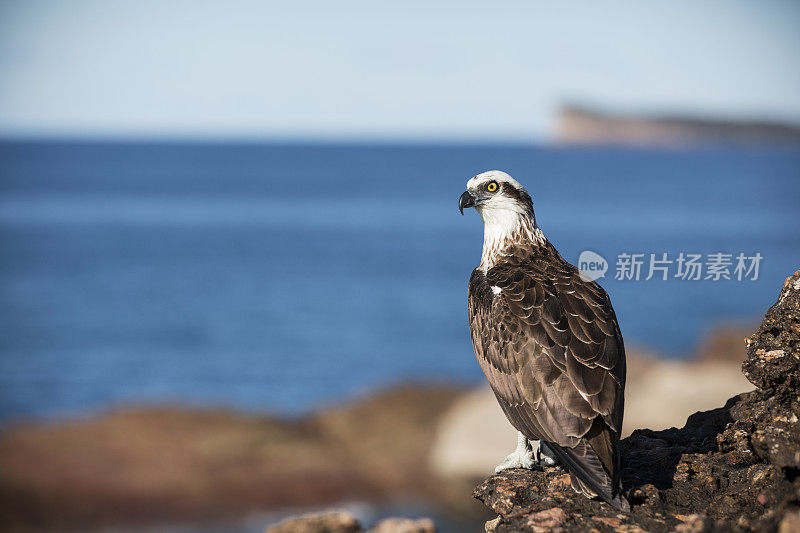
{"x":334,"y":522}
{"x":773,"y":360}
{"x":735,"y":468}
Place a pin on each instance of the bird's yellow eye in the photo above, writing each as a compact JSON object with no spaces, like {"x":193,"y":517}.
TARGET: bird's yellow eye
{"x":492,"y":186}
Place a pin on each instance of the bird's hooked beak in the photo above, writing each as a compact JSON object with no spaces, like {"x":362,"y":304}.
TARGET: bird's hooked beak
{"x":466,"y":200}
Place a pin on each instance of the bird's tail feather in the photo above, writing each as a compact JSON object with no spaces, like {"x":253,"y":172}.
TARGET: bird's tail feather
{"x":589,"y":477}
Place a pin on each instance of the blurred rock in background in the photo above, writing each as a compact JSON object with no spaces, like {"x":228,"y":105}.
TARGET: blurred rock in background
{"x":342,"y":522}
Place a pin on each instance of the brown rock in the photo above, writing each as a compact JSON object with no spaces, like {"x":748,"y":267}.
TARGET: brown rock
{"x":607,"y":520}
{"x":790,"y":523}
{"x":404,"y":525}
{"x":334,"y":522}
{"x":491,"y":525}
{"x":524,"y":502}
{"x":691,"y":524}
{"x":172,"y":464}
{"x":560,"y":483}
{"x":725,"y":343}
{"x":547,"y":520}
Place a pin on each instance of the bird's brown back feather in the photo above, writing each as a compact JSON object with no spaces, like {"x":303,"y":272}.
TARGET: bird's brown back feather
{"x":551,"y":348}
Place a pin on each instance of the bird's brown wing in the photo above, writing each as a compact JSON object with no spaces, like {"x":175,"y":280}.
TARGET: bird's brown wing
{"x":550,"y":346}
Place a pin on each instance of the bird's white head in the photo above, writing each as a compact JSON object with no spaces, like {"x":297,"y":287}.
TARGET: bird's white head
{"x":498,"y":198}
{"x":506,"y":209}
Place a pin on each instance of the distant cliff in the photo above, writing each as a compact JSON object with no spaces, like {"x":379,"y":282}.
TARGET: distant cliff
{"x":582,"y":125}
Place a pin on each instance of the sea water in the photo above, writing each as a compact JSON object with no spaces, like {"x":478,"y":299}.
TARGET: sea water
{"x":279,"y":278}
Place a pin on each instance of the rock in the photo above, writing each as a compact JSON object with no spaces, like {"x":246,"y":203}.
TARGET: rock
{"x":773,"y":352}
{"x":790,"y":523}
{"x":179,"y":464}
{"x":491,"y":525}
{"x":724,"y":343}
{"x":472,"y":437}
{"x":734,"y":468}
{"x":547,"y":520}
{"x":333,"y":522}
{"x":693,"y":523}
{"x":773,"y":365}
{"x":341,"y":522}
{"x":404,"y":525}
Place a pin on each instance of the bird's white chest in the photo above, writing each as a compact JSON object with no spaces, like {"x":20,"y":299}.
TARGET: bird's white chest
{"x":500,"y":233}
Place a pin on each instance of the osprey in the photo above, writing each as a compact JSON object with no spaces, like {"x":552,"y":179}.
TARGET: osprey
{"x":548,"y":341}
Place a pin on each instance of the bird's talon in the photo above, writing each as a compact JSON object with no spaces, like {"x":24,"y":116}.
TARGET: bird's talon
{"x":517,"y":459}
{"x":544,"y":457}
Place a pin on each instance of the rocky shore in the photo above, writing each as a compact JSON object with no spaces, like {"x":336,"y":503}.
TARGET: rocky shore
{"x":141,"y":466}
{"x":733,"y":468}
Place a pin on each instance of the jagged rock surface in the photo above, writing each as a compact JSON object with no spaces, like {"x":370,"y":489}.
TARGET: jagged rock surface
{"x":735,"y":468}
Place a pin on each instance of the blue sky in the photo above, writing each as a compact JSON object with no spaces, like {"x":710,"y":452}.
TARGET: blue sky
{"x":381,"y":70}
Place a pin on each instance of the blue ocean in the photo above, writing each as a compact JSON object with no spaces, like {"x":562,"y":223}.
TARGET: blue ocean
{"x":281,"y":278}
